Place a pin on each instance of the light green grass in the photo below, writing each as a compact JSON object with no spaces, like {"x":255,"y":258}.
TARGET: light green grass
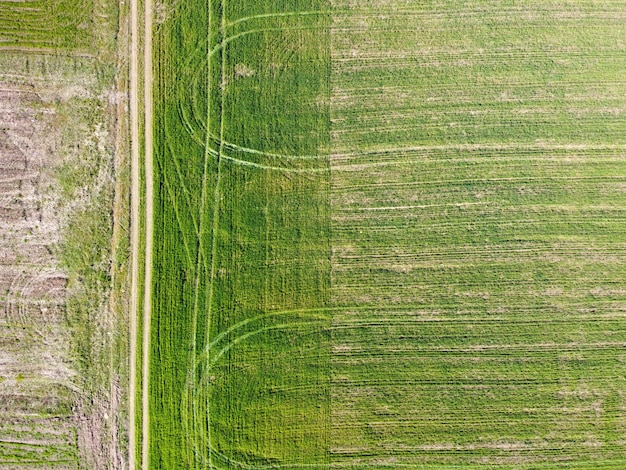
{"x":60,"y":26}
{"x":478,"y":235}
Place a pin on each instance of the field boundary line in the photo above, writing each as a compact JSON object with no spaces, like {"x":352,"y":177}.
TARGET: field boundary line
{"x":135,"y":223}
{"x":148,"y":148}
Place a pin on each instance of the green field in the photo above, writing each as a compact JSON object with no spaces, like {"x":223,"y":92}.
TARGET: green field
{"x":61,"y":26}
{"x":240,"y":369}
{"x":389,"y":234}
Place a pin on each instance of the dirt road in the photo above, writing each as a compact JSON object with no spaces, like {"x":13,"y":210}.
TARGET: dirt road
{"x":147,"y":306}
{"x":135,"y":236}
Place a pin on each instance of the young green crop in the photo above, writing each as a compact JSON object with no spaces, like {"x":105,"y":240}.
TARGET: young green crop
{"x":240,"y":365}
{"x":456,"y":170}
{"x":478,"y":238}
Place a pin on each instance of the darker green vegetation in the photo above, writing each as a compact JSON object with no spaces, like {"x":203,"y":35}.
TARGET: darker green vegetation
{"x":239,"y":372}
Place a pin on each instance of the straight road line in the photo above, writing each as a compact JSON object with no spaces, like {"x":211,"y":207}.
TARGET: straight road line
{"x":147,"y":306}
{"x":135,"y":224}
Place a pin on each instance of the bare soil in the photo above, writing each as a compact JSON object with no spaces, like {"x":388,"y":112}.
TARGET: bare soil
{"x":43,"y":409}
{"x":36,"y":389}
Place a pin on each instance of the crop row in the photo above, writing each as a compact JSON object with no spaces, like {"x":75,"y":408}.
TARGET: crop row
{"x":46,"y":24}
{"x":477,"y":234}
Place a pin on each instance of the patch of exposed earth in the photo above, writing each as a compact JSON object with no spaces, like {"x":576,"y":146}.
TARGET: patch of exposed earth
{"x":36,"y":390}
{"x":45,"y":418}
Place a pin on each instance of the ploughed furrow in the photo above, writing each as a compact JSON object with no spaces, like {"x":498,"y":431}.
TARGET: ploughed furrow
{"x":478,"y":178}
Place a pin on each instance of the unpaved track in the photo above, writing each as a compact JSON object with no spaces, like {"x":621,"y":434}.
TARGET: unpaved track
{"x":135,"y":203}
{"x":149,"y":230}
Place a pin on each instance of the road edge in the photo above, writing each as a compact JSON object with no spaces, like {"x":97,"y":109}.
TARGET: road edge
{"x":148,"y":160}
